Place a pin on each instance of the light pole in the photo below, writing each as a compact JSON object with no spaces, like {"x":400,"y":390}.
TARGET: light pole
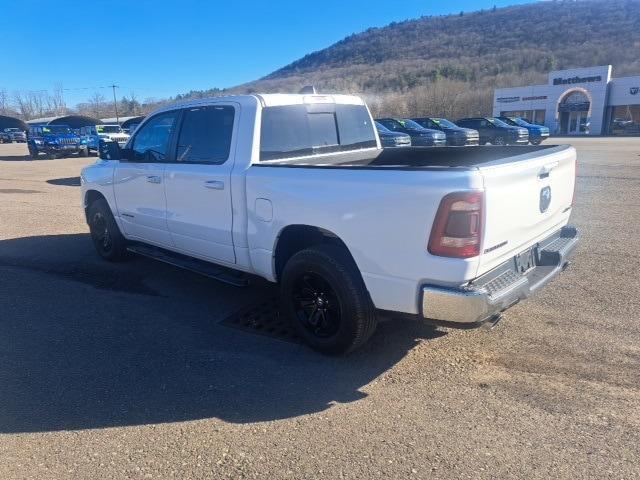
{"x":115,"y":102}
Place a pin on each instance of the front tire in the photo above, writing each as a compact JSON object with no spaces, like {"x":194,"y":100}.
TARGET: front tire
{"x":499,"y":141}
{"x":107,"y":239}
{"x":326,"y":299}
{"x":537,"y":141}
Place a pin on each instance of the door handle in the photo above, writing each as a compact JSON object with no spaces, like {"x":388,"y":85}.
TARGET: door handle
{"x":546,"y":170}
{"x":154,"y":179}
{"x":214,"y":184}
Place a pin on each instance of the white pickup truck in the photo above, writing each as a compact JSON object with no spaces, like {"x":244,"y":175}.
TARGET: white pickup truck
{"x":296,"y":189}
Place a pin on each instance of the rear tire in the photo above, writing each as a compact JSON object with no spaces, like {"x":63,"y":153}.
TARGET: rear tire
{"x":326,"y":300}
{"x":107,"y":238}
{"x":536,"y":142}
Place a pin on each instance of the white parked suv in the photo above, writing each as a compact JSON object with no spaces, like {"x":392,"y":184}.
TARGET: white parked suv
{"x":92,"y":134}
{"x":296,"y":189}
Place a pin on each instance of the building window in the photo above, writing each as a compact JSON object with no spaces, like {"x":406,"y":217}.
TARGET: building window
{"x":538,"y":116}
{"x":625,"y":120}
{"x":533,"y":116}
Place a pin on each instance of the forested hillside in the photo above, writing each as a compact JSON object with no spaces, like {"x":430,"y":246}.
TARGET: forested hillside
{"x":446,"y":66}
{"x":450,"y":65}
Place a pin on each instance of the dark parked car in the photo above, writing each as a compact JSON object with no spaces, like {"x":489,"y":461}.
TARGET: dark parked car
{"x":392,"y":139}
{"x":5,"y":137}
{"x":495,"y":131}
{"x":16,"y":134}
{"x":420,"y":136}
{"x":537,"y":133}
{"x":456,"y":136}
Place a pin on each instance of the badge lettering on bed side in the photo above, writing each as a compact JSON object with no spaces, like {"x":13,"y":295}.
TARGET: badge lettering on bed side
{"x":495,"y":247}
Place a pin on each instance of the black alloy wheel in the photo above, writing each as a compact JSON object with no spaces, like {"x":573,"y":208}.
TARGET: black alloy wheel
{"x":105,"y":234}
{"x":316,"y":305}
{"x":326,"y":300}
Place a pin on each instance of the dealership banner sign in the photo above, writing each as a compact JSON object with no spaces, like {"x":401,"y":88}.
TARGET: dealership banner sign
{"x":508,"y":99}
{"x":576,"y":79}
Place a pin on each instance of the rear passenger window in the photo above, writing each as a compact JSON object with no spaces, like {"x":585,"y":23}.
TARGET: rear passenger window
{"x":205,"y":136}
{"x":322,"y":127}
{"x":302,"y":130}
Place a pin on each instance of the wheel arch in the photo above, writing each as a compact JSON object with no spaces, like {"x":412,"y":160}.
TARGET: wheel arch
{"x":294,"y":238}
{"x":91,"y":196}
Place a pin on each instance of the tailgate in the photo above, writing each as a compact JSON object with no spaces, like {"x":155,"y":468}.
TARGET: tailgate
{"x":527,"y":198}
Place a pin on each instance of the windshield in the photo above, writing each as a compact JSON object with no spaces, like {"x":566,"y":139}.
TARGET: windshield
{"x":382,"y":128}
{"x":443,"y":122}
{"x":523,"y":122}
{"x":108,"y":129}
{"x":390,"y":124}
{"x":411,"y":125}
{"x":498,"y":123}
{"x":55,"y":130}
{"x":508,"y":121}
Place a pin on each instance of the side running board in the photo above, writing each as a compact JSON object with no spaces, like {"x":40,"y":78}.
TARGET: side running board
{"x":222,"y":274}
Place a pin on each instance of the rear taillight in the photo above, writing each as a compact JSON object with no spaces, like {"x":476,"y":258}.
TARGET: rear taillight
{"x":457,"y":228}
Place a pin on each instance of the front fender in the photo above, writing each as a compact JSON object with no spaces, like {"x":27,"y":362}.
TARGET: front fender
{"x":98,"y":177}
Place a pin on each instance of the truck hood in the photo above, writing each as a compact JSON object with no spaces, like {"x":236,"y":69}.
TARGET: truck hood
{"x":392,"y":134}
{"x":468,"y":132}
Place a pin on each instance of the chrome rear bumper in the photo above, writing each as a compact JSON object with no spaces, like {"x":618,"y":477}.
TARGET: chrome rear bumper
{"x":503,"y":286}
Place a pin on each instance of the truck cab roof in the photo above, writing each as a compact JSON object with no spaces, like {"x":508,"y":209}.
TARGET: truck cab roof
{"x":269,"y":100}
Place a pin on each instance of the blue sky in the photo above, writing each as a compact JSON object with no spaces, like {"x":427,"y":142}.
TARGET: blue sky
{"x":160,"y":48}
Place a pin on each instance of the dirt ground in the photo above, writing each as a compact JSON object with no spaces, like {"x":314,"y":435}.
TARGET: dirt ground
{"x":124,"y":371}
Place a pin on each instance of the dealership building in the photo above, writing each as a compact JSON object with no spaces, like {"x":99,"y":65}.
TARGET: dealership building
{"x":580,"y":101}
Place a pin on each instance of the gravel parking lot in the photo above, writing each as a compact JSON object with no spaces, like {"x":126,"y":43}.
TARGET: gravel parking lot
{"x":124,"y":371}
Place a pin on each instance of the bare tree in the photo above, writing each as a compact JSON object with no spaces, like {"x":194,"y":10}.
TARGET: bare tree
{"x":30,"y":104}
{"x":4,"y":102}
{"x":97,"y":104}
{"x":55,"y":100}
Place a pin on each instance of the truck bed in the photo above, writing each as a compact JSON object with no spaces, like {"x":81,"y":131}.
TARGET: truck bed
{"x":421,"y":157}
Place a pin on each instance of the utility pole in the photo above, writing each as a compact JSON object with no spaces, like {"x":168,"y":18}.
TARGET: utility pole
{"x":115,"y":102}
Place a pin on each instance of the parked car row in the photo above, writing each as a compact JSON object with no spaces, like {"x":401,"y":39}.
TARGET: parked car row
{"x":429,"y":131}
{"x":61,"y":140}
{"x":58,"y":140}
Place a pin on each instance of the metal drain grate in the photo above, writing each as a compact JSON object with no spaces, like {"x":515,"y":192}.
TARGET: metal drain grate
{"x":263,"y":318}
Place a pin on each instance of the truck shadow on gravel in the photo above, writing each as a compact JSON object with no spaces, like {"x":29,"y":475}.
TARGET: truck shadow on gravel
{"x":88,"y":344}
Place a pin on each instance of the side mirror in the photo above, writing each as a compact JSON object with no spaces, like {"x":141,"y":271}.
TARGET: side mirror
{"x":109,"y":150}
